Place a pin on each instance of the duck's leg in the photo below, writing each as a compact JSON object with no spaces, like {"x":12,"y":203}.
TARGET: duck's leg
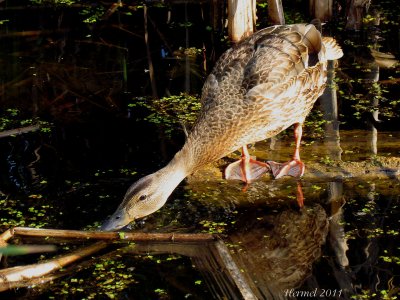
{"x":299,"y":195}
{"x":246,"y":169}
{"x":295,"y":167}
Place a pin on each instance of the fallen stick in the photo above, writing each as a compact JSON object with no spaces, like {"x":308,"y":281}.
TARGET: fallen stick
{"x":390,"y":81}
{"x":4,"y":237}
{"x":23,"y":275}
{"x":20,"y":130}
{"x":39,"y":273}
{"x":112,"y":236}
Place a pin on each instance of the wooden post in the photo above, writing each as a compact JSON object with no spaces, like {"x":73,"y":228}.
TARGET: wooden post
{"x":275,"y":12}
{"x":329,"y":105}
{"x":355,"y":10}
{"x":321,"y":9}
{"x":241,"y":19}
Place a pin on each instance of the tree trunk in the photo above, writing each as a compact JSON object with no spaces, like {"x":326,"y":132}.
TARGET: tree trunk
{"x":321,"y":9}
{"x":355,"y":10}
{"x":275,"y":12}
{"x":241,"y":19}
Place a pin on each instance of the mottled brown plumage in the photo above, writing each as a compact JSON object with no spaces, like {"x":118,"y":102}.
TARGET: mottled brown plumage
{"x":258,"y":88}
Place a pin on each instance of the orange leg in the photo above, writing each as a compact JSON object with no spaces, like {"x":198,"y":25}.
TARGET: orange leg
{"x":299,"y":195}
{"x":295,"y":167}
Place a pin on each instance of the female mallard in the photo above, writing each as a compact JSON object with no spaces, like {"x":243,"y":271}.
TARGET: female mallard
{"x":258,"y":88}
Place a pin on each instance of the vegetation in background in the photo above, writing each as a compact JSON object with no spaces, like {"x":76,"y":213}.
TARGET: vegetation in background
{"x":171,"y":113}
{"x":12,"y":118}
{"x":53,"y":2}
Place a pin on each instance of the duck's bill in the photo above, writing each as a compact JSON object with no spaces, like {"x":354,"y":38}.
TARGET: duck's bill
{"x":115,"y":222}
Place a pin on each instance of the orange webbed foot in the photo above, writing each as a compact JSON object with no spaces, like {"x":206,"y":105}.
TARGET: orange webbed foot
{"x":294,"y":168}
{"x":246,"y":170}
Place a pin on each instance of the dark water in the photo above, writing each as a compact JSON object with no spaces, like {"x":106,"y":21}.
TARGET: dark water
{"x":79,"y":80}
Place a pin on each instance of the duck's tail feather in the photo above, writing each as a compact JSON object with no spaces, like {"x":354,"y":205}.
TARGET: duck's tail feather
{"x":311,"y":37}
{"x":332,"y":49}
{"x":317,"y":23}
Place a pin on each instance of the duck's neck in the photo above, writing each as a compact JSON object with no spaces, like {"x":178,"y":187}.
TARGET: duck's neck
{"x":189,"y":159}
{"x":173,"y":173}
{"x":192,"y":156}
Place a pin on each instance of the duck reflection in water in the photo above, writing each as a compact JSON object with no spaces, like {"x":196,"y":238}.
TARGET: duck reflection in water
{"x":278,"y":250}
{"x":259,"y":87}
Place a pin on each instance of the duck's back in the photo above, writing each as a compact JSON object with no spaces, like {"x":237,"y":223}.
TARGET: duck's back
{"x":272,"y":55}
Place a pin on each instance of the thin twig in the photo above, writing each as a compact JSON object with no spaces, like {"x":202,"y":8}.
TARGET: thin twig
{"x":149,"y":60}
{"x":103,"y":43}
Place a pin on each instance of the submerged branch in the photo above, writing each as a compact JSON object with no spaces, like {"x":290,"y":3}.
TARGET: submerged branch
{"x":17,"y":131}
{"x":390,"y":81}
{"x":23,"y":275}
{"x":234,"y":271}
{"x":103,"y":43}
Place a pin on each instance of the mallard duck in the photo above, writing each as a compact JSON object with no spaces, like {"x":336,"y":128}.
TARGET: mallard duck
{"x":259,"y":87}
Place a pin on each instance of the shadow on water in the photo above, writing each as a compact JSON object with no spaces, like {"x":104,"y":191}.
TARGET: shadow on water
{"x":71,"y":174}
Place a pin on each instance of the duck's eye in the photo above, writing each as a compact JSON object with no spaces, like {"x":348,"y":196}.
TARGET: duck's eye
{"x":142,"y":197}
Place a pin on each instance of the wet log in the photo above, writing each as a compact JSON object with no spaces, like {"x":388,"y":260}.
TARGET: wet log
{"x":22,"y":276}
{"x":112,"y":236}
{"x":17,"y":131}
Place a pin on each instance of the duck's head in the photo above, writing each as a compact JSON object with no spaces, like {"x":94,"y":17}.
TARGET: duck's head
{"x":144,"y":197}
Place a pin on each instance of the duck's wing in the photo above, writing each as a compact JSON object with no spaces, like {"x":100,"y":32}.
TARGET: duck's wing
{"x":286,"y":70}
{"x":227,"y":74}
{"x":272,"y":64}
{"x":297,"y":93}
{"x":281,"y":55}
